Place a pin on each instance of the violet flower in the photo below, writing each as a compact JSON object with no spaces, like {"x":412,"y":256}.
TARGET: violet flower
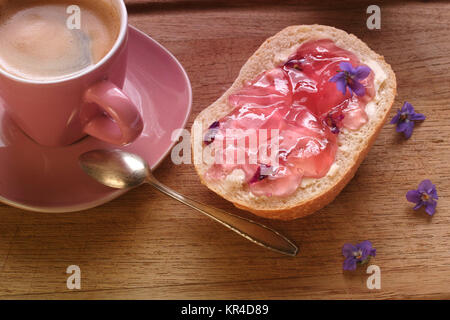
{"x":350,"y":77}
{"x":295,"y":64}
{"x":333,"y":121}
{"x":425,"y":195}
{"x":211,"y":133}
{"x":358,"y":254}
{"x":261,"y":173}
{"x":405,"y":118}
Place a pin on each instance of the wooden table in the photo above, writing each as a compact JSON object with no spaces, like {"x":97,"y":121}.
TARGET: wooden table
{"x":145,"y":245}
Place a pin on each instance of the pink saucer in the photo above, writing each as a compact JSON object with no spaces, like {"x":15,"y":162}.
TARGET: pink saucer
{"x":38,"y":178}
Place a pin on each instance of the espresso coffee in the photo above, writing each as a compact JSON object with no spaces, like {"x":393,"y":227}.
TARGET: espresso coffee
{"x":42,"y":40}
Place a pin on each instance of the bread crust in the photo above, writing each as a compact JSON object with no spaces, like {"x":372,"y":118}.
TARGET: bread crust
{"x":259,"y":62}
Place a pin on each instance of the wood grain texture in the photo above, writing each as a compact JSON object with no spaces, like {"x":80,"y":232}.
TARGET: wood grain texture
{"x":144,"y":245}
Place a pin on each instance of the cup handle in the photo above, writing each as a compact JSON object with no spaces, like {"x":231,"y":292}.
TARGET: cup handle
{"x":109,"y":115}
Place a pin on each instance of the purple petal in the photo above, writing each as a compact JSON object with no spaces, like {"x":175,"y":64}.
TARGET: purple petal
{"x":215,"y":124}
{"x":417,"y":117}
{"x":433,"y":193}
{"x":349,"y":264}
{"x":211,"y":133}
{"x":366,"y":248}
{"x":261,"y":173}
{"x":362,"y":72}
{"x":373,"y":252}
{"x":366,"y":244}
{"x":402,"y":126}
{"x":348,"y":249}
{"x":364,"y":255}
{"x":407,"y":107}
{"x":350,"y":91}
{"x":431,"y":190}
{"x":409,"y":129}
{"x":210,"y":136}
{"x":341,"y":82}
{"x":256,"y":177}
{"x":413,"y":196}
{"x":295,"y":63}
{"x":426,"y":186}
{"x":267,"y":170}
{"x":418,"y":205}
{"x":430,"y":207}
{"x":395,"y":119}
{"x":347,"y":67}
{"x":357,"y":87}
{"x":342,"y":86}
{"x":338,"y":77}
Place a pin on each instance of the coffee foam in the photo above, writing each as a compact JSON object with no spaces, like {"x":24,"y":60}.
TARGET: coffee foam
{"x":36,"y":44}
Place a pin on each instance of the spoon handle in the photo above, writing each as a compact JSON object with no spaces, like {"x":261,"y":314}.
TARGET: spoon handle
{"x":249,"y":229}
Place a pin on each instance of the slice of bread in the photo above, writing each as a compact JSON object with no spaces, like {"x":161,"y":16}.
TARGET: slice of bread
{"x":353,"y":146}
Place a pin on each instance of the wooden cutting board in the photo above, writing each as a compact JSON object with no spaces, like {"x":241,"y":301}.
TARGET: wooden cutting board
{"x":144,"y":245}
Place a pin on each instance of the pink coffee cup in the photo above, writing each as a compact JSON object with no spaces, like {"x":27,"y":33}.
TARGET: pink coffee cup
{"x":58,"y":113}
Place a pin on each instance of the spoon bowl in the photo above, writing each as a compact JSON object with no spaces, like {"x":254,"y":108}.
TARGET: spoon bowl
{"x":114,"y":168}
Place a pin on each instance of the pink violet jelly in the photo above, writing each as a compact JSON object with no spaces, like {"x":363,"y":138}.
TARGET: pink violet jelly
{"x":298,"y":99}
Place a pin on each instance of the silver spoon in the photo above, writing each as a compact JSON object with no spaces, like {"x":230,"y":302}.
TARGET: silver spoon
{"x":122,"y":170}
